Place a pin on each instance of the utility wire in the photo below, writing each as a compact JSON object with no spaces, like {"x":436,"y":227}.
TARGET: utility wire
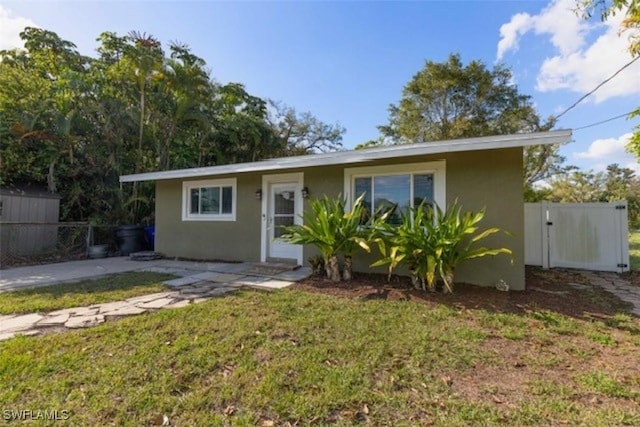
{"x":603,"y":121}
{"x":597,"y":87}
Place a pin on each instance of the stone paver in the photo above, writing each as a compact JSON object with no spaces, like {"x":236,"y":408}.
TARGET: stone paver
{"x":84,"y":321}
{"x":199,"y":283}
{"x":181,"y":281}
{"x":6,"y":335}
{"x":131,"y":310}
{"x":616,"y":285}
{"x":58,"y":320}
{"x":178,"y":304}
{"x":272,"y":284}
{"x":238,"y":268}
{"x":294,"y":275}
{"x":20,"y":323}
{"x":207,"y":275}
{"x":216,"y":292}
{"x":155,"y":304}
{"x":250,"y":280}
{"x":111,"y":306}
{"x":226,"y":278}
{"x":151,"y":297}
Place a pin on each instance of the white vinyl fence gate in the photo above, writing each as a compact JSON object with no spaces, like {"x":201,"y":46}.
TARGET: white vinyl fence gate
{"x":591,"y":236}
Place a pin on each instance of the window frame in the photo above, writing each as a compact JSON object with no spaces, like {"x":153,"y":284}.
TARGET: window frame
{"x":436,"y":168}
{"x":187,"y":186}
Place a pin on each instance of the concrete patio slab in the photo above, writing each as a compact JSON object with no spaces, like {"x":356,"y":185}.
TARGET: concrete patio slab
{"x":226,"y":278}
{"x":233,"y":268}
{"x":182,"y":281}
{"x":49,"y":274}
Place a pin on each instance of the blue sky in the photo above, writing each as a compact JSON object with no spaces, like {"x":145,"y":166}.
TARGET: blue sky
{"x":347,"y":61}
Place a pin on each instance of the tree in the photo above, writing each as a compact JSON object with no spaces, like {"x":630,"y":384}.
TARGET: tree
{"x":613,"y":185}
{"x":75,"y":123}
{"x":577,"y":187}
{"x":449,"y":100}
{"x":303,"y":133}
{"x":630,"y":26}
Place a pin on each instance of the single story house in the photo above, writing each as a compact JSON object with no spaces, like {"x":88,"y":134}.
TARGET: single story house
{"x":231,"y":212}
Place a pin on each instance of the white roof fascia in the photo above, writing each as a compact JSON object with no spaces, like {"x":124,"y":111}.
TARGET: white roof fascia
{"x":365,"y":155}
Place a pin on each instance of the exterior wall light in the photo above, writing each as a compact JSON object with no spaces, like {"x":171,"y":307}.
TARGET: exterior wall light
{"x":305,"y":193}
{"x":259,"y":194}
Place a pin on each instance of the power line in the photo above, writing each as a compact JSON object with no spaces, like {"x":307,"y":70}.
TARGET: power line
{"x":603,"y":121}
{"x":597,"y":87}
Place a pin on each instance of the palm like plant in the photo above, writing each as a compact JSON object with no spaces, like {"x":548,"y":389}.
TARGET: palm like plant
{"x":433,"y":242}
{"x":333,"y":230}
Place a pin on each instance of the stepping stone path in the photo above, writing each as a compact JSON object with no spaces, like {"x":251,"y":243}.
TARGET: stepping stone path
{"x":194,"y":288}
{"x":615,"y":284}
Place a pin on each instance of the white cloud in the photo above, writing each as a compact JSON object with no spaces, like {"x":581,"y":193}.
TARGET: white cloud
{"x":607,"y":151}
{"x":558,"y":20}
{"x":510,"y":32}
{"x":576,"y":65}
{"x":10,"y":28}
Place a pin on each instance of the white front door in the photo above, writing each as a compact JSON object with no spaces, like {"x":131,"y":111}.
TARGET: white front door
{"x":283,"y":207}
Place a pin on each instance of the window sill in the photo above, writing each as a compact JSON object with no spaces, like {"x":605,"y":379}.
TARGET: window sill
{"x":217,"y":218}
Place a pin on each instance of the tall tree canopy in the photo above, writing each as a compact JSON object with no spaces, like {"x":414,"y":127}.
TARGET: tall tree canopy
{"x":629,"y":27}
{"x":75,"y":123}
{"x":449,"y":100}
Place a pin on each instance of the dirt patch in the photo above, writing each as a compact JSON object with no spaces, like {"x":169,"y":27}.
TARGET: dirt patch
{"x":633,"y":277}
{"x":554,"y":290}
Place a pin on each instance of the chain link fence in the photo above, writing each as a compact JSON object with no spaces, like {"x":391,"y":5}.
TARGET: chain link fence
{"x":29,"y":243}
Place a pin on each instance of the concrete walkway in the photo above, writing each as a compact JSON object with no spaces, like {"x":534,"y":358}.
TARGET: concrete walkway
{"x":73,"y":271}
{"x":198,"y":282}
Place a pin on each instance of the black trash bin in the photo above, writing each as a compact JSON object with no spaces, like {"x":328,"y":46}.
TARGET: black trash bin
{"x":130,"y":238}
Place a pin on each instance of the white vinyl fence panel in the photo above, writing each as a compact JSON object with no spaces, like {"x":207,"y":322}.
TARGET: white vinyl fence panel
{"x":591,"y":236}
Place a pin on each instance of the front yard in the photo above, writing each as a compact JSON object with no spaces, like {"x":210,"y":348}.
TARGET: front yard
{"x":86,"y":292}
{"x":294,"y":357}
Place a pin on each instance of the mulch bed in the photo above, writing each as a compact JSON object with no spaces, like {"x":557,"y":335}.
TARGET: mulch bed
{"x":546,"y":290}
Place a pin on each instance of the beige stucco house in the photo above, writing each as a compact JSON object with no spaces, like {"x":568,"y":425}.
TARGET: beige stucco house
{"x":231,"y":212}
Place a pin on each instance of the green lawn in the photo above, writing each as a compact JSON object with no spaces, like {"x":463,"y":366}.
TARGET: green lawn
{"x":272,"y":358}
{"x":634,"y":249}
{"x":86,"y":292}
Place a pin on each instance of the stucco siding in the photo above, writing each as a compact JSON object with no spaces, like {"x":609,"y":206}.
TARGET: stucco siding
{"x":210,"y":240}
{"x":489,"y":178}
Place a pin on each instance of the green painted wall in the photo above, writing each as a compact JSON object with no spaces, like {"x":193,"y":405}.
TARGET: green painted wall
{"x":210,"y":240}
{"x":491,"y":179}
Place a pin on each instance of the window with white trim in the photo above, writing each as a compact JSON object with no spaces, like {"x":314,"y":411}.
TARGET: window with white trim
{"x":210,"y":200}
{"x":397,"y":188}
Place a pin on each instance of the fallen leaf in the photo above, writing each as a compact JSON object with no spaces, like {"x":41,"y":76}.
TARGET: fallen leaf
{"x":165,"y":420}
{"x":229,"y":410}
{"x":447,"y":380}
{"x":267,"y":423}
{"x":365,"y":409}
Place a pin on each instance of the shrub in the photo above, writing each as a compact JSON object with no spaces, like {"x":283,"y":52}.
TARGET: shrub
{"x":333,"y":230}
{"x":432,"y":243}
